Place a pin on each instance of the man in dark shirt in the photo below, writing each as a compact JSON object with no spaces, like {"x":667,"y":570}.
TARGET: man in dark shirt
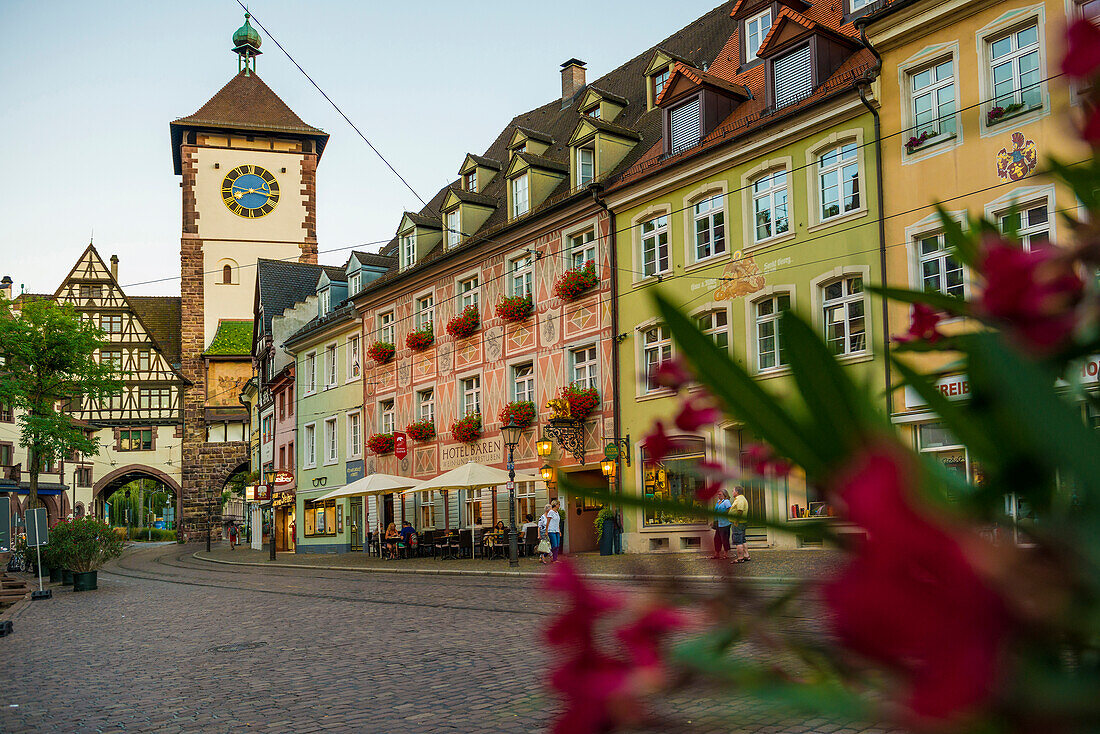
{"x":407,"y":532}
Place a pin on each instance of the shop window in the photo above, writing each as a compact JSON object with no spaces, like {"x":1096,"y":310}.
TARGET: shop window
{"x":935,"y":440}
{"x":675,"y":479}
{"x":320,"y":518}
{"x":525,"y":501}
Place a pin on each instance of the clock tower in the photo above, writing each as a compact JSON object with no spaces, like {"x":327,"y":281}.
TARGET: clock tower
{"x":248,"y":165}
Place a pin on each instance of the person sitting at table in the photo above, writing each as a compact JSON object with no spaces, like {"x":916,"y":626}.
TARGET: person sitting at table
{"x":529,"y":522}
{"x":391,"y":540}
{"x":500,"y":526}
{"x":408,"y":534}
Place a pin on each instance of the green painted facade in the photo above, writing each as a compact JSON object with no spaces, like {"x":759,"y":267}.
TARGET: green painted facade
{"x":734,"y":287}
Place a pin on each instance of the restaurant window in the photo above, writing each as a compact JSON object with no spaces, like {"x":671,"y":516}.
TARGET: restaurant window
{"x":770,"y":353}
{"x":940,"y":270}
{"x":471,"y":395}
{"x":674,"y":479}
{"x":843,"y":312}
{"x":425,"y":312}
{"x":656,"y":348}
{"x":331,"y":451}
{"x":769,"y":201}
{"x":386,"y":416}
{"x":655,"y":246}
{"x":84,"y":476}
{"x":425,"y":401}
{"x":353,"y":357}
{"x":355,"y":433}
{"x":135,"y":439}
{"x":583,"y":366}
{"x":385,"y":327}
{"x":427,"y":510}
{"x":523,"y":382}
{"x":522,"y":282}
{"x":710,"y":227}
{"x":935,"y":440}
{"x":320,"y":517}
{"x":582,"y":248}
{"x":468,"y":292}
{"x":311,"y":373}
{"x":473,"y":507}
{"x":1031,"y":223}
{"x":111,"y":323}
{"x":309,"y":445}
{"x":715,"y":325}
{"x":331,"y":373}
{"x":525,"y":502}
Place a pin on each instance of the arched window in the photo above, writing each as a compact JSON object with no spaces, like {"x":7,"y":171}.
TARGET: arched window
{"x":227,"y":274}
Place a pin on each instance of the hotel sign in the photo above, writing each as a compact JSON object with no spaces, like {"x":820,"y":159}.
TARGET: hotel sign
{"x":488,"y":451}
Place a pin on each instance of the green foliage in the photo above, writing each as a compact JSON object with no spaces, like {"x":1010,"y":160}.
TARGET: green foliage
{"x":89,"y":544}
{"x":605,"y":514}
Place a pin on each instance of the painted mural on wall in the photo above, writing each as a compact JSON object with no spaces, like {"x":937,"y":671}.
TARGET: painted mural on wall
{"x":741,"y":277}
{"x":1017,"y":161}
{"x":224,"y":382}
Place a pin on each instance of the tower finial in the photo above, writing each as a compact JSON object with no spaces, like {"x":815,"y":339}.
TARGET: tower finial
{"x":246,"y":44}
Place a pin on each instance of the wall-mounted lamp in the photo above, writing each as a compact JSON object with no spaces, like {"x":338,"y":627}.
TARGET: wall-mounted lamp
{"x":547,"y":473}
{"x":607,"y":466}
{"x":544,"y":446}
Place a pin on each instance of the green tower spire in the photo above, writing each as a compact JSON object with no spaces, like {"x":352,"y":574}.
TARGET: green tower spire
{"x":246,"y":44}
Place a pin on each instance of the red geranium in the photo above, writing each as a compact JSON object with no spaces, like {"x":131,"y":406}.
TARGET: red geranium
{"x":523,"y":411}
{"x":381,"y":443}
{"x":420,"y":339}
{"x":381,"y":352}
{"x":421,"y":430}
{"x":582,"y":400}
{"x":468,"y":429}
{"x":515,"y":308}
{"x":573,"y":283}
{"x":465,"y":323}
{"x":923,"y":320}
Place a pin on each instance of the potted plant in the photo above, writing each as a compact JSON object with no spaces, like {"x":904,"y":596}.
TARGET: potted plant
{"x":90,"y":544}
{"x":573,"y":283}
{"x":997,"y":112}
{"x":53,"y":553}
{"x":918,"y":140}
{"x":421,"y":430}
{"x":582,"y":400}
{"x":381,"y":443}
{"x":381,"y":352}
{"x":522,"y":411}
{"x":514,"y":309}
{"x":420,"y":339}
{"x":607,"y":528}
{"x":465,"y":323}
{"x":468,"y":429}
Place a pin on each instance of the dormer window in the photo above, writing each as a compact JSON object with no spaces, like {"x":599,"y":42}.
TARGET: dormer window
{"x":594,"y":112}
{"x":793,"y":77}
{"x":684,"y":126}
{"x":454,"y":231}
{"x":586,"y":166}
{"x":756,"y":29}
{"x":408,"y":250}
{"x":355,"y":283}
{"x":325,"y":301}
{"x":471,"y":181}
{"x":520,"y":201}
{"x":659,"y":81}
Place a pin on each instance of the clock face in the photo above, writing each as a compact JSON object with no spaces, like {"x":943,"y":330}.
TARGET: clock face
{"x":250,"y":191}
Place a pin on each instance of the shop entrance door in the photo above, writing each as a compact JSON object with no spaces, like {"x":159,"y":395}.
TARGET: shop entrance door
{"x":579,"y":515}
{"x":355,"y":523}
{"x":387,"y":513}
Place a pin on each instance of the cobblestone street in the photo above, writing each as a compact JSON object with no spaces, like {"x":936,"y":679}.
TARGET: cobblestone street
{"x":170,"y":643}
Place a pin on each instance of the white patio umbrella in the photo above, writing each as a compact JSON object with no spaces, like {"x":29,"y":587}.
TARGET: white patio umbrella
{"x":471,"y":475}
{"x":372,"y":484}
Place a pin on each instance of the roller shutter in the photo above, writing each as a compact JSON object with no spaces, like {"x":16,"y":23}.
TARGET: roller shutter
{"x":793,"y":77}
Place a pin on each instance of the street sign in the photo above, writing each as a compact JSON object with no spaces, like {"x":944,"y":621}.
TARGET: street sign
{"x":511,"y":485}
{"x":263,"y":492}
{"x":38,"y":532}
{"x":5,"y":523}
{"x":400,"y":445}
{"x":611,"y":451}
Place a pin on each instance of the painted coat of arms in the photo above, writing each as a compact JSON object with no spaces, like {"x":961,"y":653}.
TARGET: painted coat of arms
{"x":1015,"y":163}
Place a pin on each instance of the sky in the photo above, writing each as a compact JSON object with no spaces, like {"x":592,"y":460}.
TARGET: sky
{"x":87,"y":91}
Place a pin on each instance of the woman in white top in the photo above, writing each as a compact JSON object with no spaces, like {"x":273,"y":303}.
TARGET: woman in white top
{"x":544,"y":547}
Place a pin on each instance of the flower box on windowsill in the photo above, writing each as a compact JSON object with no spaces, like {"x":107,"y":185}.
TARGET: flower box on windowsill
{"x":381,"y":443}
{"x":582,"y":401}
{"x":514,"y":309}
{"x":381,"y":352}
{"x":468,"y":429}
{"x":523,"y":411}
{"x":925,"y":141}
{"x":421,"y":339}
{"x":997,"y":115}
{"x":421,"y":431}
{"x":575,"y":283}
{"x":465,"y":324}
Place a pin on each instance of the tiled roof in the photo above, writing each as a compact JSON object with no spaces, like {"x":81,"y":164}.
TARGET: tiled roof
{"x":282,"y":283}
{"x":540,"y":161}
{"x":232,"y":339}
{"x":425,"y":220}
{"x":247,"y":103}
{"x":535,"y":134}
{"x":700,"y":77}
{"x":374,"y":259}
{"x":343,"y":312}
{"x":473,"y":197}
{"x":613,"y":128}
{"x":162,"y":316}
{"x":610,"y":96}
{"x":486,"y":162}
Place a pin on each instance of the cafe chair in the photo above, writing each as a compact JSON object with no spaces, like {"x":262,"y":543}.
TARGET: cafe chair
{"x":530,"y":540}
{"x":426,"y":544}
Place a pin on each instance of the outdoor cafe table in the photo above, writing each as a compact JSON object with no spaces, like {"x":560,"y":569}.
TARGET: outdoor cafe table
{"x":494,"y":540}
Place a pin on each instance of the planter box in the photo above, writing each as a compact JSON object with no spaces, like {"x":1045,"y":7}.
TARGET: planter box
{"x":85,"y":580}
{"x":66,"y":577}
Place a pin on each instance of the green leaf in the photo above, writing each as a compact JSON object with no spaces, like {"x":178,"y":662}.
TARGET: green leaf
{"x":954,"y":234}
{"x":742,"y":395}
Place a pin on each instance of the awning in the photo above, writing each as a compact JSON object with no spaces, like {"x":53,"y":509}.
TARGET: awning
{"x":471,"y":475}
{"x":372,"y":484}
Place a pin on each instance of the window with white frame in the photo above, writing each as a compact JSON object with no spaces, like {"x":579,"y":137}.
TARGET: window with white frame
{"x":1014,"y":67}
{"x":656,"y":348}
{"x":355,"y":433}
{"x":425,"y":311}
{"x":582,"y":248}
{"x":326,"y":301}
{"x":427,"y":510}
{"x":843,"y":310}
{"x":353,"y":357}
{"x":659,"y":81}
{"x":940,"y":271}
{"x":523,"y":382}
{"x":860,"y":4}
{"x":838,"y":176}
{"x":425,"y":404}
{"x":454,"y":230}
{"x":309,"y":445}
{"x":473,"y":507}
{"x":408,"y":250}
{"x":594,"y":112}
{"x":471,"y":181}
{"x":756,"y":28}
{"x":520,"y":202}
{"x":655,"y":245}
{"x":525,"y":501}
{"x":932,"y":90}
{"x":385,"y":327}
{"x":330,"y":366}
{"x":471,"y":395}
{"x":355,"y":283}
{"x":468,"y":292}
{"x":387,"y":416}
{"x":331,"y":437}
{"x":311,"y":372}
{"x":770,"y":353}
{"x":1031,"y":223}
{"x":769,"y":205}
{"x":586,"y":165}
{"x":710,"y":227}
{"x":522,"y":280}
{"x":716,"y":325}
{"x":583,"y":363}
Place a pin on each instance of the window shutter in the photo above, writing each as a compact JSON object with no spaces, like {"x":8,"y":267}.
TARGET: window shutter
{"x":793,"y":77}
{"x":685,"y":126}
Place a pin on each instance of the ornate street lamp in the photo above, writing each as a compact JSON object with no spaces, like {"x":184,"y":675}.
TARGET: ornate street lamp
{"x":547,"y":473}
{"x":607,"y":466}
{"x":544,"y":446}
{"x":511,"y":434}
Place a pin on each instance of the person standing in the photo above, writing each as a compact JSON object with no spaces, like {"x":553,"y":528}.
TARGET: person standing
{"x":544,"y":548}
{"x":554,"y":530}
{"x":740,"y":512}
{"x":722,"y":526}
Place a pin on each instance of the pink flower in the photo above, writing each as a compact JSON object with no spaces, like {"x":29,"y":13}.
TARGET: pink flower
{"x":1034,"y":293}
{"x":642,"y":638}
{"x":923,"y":320}
{"x":658,"y":444}
{"x":714,"y":475}
{"x":574,"y":626}
{"x":671,"y":373}
{"x":909,"y":598}
{"x":760,"y":459}
{"x":1082,"y":58}
{"x":696,"y":413}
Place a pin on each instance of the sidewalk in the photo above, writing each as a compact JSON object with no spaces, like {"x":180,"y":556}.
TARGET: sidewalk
{"x":780,"y":566}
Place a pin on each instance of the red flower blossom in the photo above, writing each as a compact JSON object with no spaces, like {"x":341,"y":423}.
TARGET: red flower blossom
{"x":657,"y":444}
{"x":714,"y":476}
{"x":695,"y":413}
{"x":910,"y":599}
{"x":1034,"y":293}
{"x":1082,"y":49}
{"x":923,"y":320}
{"x":582,"y":400}
{"x":573,"y":283}
{"x":587,"y":605}
{"x":642,"y":637}
{"x":671,"y":373}
{"x":760,"y":459}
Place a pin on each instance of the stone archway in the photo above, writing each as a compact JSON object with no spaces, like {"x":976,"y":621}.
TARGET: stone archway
{"x":205,"y":472}
{"x":125,"y":474}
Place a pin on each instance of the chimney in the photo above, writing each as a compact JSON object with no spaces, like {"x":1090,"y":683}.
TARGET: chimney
{"x":572,"y":80}
{"x":5,"y":287}
{"x":114,"y":267}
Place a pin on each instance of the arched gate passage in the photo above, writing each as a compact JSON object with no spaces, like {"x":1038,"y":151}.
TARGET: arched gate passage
{"x":126,"y":474}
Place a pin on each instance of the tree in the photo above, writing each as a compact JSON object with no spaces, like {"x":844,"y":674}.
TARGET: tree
{"x":47,"y":367}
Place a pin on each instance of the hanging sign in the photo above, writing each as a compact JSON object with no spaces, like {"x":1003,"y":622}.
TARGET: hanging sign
{"x":400,"y":445}
{"x":284,"y":477}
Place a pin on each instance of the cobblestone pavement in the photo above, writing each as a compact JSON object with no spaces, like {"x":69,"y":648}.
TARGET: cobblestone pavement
{"x":172,"y":644}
